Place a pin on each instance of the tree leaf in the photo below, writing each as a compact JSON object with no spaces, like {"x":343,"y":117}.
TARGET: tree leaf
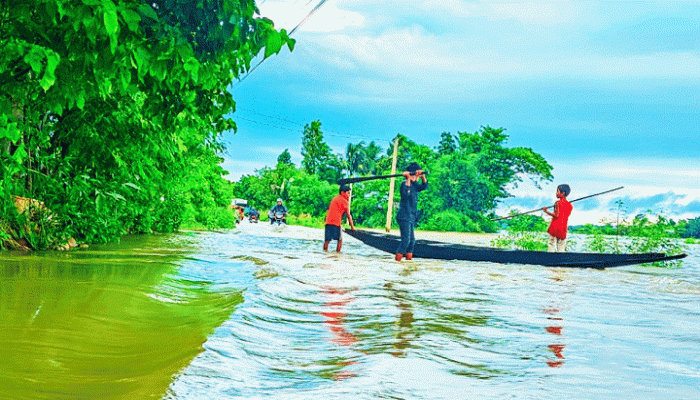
{"x":273,"y":44}
{"x":132,"y":19}
{"x":80,"y":102}
{"x":34,"y":58}
{"x":20,"y":154}
{"x":110,"y":18}
{"x":116,"y":196}
{"x":49,"y":78}
{"x":10,"y":131}
{"x":5,"y":109}
{"x":148,"y":12}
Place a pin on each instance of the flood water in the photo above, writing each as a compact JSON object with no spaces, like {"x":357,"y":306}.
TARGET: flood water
{"x":258,"y":314}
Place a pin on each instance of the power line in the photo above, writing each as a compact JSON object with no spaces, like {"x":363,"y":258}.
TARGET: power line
{"x":325,"y":132}
{"x":328,"y":133}
{"x":270,"y":125}
{"x":318,"y":6}
{"x":271,"y":116}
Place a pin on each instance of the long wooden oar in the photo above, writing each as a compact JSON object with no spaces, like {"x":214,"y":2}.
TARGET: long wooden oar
{"x":345,"y":181}
{"x":572,"y":201}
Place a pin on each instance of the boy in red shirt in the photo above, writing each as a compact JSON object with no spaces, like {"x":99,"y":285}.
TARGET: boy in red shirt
{"x":334,"y":217}
{"x":560,"y":220}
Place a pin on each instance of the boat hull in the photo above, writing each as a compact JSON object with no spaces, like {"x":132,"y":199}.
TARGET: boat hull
{"x":451,"y":251}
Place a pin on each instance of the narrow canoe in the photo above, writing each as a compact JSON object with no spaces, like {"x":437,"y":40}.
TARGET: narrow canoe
{"x":452,"y":251}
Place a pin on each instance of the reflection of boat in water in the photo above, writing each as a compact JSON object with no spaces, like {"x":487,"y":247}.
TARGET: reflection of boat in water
{"x":452,"y":251}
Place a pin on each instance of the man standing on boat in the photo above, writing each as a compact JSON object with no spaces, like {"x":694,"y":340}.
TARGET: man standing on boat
{"x":334,"y":217}
{"x":407,"y":216}
{"x":560,"y":220}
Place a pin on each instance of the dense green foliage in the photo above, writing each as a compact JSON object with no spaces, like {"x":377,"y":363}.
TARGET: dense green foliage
{"x":111,"y":113}
{"x":688,"y":228}
{"x":468,"y":174}
{"x":526,"y":232}
{"x":642,"y":234}
{"x":641,"y":223}
{"x":646,"y":232}
{"x":318,"y":158}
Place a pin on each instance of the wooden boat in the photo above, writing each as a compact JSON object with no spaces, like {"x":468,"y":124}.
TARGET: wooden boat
{"x":451,"y":251}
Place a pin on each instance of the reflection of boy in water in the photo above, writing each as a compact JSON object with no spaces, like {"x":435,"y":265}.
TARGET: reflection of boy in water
{"x":335,"y":318}
{"x":555,"y":329}
{"x":404,"y":323}
{"x":405,"y":327}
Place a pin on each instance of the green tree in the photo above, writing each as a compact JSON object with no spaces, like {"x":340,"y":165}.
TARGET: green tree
{"x":333,"y":168}
{"x":447,"y":144}
{"x":303,"y":193}
{"x":372,"y":152}
{"x":314,"y":150}
{"x":691,"y":228}
{"x":473,"y":178}
{"x":285,"y":158}
{"x":356,"y":158}
{"x":112,"y":113}
{"x":464,"y":188}
{"x":408,"y":151}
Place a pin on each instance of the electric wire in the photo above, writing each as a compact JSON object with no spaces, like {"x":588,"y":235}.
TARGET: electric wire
{"x":318,"y":6}
{"x":325,"y":132}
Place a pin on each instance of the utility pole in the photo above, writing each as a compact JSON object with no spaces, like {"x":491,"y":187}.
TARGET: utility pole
{"x":390,"y":207}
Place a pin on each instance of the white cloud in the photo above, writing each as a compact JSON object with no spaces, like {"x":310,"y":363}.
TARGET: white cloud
{"x":413,"y":65}
{"x":662,"y":185}
{"x":265,"y":156}
{"x":543,"y":13}
{"x":410,"y":63}
{"x":238,"y":168}
{"x":454,"y":7}
{"x":395,"y":55}
{"x":655,"y":175}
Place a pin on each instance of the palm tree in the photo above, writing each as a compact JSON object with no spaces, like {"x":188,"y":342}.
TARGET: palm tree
{"x":356,"y":158}
{"x":372,"y":153}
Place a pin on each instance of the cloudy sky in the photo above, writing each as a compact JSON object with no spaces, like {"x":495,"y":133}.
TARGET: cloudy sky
{"x":607,"y":92}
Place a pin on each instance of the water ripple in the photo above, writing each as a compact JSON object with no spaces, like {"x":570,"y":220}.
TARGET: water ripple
{"x":359,"y":325}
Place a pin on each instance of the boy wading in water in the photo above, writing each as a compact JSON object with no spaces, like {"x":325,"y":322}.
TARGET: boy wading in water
{"x":407,"y":216}
{"x":560,"y":219}
{"x":334,"y":217}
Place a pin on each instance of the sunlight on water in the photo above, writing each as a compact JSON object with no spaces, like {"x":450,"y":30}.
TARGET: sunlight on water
{"x":256,"y":313}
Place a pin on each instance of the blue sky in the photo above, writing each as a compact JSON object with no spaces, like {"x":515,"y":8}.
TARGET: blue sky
{"x":607,"y":92}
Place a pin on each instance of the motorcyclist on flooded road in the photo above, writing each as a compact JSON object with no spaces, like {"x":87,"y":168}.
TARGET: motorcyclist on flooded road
{"x":280,"y":209}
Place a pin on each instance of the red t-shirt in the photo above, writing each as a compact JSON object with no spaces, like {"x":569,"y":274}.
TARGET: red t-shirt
{"x":559,"y":224}
{"x":339,"y":206}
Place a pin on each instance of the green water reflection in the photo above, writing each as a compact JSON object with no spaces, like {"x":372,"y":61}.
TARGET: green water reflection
{"x":109,"y":323}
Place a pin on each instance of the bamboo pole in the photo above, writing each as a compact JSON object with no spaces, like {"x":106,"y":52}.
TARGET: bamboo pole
{"x":571,"y":201}
{"x":390,"y":207}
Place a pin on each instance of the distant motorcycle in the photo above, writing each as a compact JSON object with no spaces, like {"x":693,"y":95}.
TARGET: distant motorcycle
{"x":253,"y":218}
{"x":278,"y":219}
